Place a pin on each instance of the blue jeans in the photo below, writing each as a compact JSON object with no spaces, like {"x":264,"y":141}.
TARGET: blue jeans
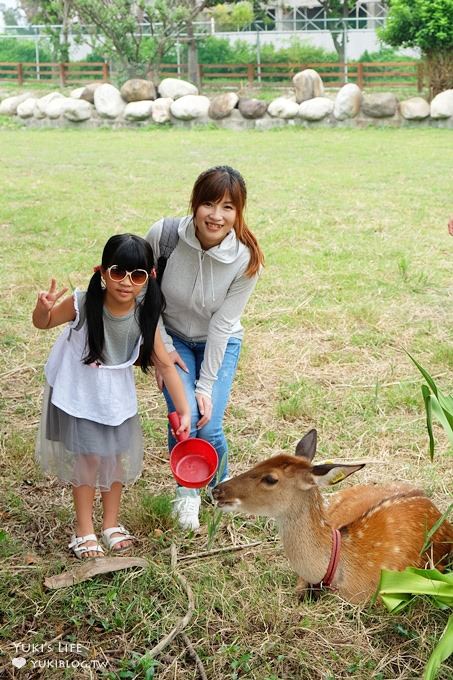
{"x":192,"y":354}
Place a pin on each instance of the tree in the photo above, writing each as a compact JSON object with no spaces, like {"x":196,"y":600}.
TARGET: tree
{"x":339,"y":10}
{"x":230,"y":16}
{"x":52,"y":13}
{"x":428,"y":25}
{"x":135,"y":34}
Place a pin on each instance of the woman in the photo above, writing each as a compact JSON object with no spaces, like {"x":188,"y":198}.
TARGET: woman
{"x":208,"y":278}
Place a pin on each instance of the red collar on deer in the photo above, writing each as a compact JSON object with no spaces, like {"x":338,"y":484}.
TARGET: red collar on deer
{"x":333,"y":564}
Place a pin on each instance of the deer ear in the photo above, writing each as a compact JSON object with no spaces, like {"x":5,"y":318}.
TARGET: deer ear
{"x":326,"y":474}
{"x":306,"y":448}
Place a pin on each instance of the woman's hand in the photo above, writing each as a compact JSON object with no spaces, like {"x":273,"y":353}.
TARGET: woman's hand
{"x":184,"y":424}
{"x":175,"y":359}
{"x":205,"y":408}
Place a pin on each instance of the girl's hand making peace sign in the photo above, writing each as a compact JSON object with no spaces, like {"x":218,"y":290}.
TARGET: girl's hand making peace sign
{"x":49,"y":298}
{"x":44,"y":314}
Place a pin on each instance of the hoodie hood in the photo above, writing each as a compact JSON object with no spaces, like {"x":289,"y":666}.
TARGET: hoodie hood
{"x":228,"y":251}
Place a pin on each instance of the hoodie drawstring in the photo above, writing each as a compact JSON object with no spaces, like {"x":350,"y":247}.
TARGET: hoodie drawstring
{"x":200,"y":267}
{"x":212,"y":280}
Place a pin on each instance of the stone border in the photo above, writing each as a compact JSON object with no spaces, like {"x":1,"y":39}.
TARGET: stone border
{"x":178,"y":103}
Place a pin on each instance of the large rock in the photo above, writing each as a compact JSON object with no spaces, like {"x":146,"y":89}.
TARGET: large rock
{"x":190,"y":106}
{"x":347,"y":102}
{"x":442,"y":105}
{"x":222,"y":105}
{"x":308,"y":84}
{"x":8,"y":106}
{"x":137,"y":90}
{"x":415,"y":108}
{"x":175,"y":88}
{"x":27,"y":108}
{"x":140,"y":110}
{"x":77,"y":93}
{"x":77,"y":110}
{"x":379,"y":105}
{"x":252,"y":108}
{"x":89,"y":90}
{"x":108,"y":101}
{"x":43,"y":102}
{"x":283,"y":107}
{"x":315,"y":109}
{"x":56,"y":107}
{"x":161,"y":110}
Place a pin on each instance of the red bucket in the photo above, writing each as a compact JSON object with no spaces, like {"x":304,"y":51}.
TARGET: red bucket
{"x":193,"y":461}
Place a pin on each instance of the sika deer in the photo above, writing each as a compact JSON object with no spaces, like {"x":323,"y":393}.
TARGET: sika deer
{"x":378,"y":527}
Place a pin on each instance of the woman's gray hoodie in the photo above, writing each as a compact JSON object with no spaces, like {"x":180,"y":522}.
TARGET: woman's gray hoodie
{"x":205,"y":292}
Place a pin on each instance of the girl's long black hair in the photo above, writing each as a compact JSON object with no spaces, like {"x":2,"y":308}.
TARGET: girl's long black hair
{"x":129,"y":252}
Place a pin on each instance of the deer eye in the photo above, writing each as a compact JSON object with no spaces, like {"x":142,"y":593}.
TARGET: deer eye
{"x":270,"y":479}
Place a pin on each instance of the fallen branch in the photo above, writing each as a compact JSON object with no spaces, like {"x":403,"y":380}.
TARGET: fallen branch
{"x":17,"y":370}
{"x":216,"y":551}
{"x":195,"y":657}
{"x":101,"y":565}
{"x":182,"y":623}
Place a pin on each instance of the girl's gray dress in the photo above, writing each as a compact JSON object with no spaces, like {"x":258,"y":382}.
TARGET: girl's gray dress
{"x":90,"y":431}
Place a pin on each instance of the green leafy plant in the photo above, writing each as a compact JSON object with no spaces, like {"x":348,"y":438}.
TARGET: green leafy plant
{"x":398,"y":589}
{"x":437,"y":404}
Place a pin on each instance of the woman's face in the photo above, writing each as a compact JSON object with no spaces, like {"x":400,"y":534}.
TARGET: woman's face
{"x":213,"y":221}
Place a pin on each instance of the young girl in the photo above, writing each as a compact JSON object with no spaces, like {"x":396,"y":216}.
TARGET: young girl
{"x":90,"y":434}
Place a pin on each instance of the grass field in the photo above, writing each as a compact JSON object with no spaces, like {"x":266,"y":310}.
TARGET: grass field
{"x":358,"y":267}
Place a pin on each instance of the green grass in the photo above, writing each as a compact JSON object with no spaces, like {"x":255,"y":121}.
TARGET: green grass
{"x":358,"y":267}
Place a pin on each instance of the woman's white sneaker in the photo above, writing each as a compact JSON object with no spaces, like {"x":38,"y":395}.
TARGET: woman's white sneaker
{"x":186,"y":507}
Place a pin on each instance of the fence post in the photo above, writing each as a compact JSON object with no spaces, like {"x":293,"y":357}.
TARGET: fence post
{"x":62,"y":74}
{"x":250,"y":73}
{"x":420,"y":76}
{"x":360,"y":82}
{"x":105,"y":72}
{"x":20,"y":74}
{"x":200,"y":73}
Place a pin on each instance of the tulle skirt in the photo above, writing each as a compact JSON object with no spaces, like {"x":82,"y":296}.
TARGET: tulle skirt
{"x":80,"y":451}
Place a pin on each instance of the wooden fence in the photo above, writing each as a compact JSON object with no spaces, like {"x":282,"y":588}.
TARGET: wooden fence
{"x":334,"y":74}
{"x":64,"y":74}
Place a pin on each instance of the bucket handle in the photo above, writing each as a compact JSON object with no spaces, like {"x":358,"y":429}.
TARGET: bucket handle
{"x":174,"y":420}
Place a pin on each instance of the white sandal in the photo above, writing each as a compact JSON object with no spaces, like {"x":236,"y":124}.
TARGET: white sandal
{"x":77,"y":547}
{"x":110,"y":542}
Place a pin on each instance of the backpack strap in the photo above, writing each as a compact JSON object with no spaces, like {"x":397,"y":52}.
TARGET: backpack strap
{"x":167,"y":243}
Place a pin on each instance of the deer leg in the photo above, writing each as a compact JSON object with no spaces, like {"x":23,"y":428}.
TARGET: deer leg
{"x":302,"y":588}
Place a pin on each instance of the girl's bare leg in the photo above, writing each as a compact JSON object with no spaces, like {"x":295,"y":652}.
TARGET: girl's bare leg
{"x":111,"y":504}
{"x":83,"y":504}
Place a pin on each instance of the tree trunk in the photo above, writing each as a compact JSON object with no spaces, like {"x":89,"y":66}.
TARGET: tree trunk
{"x":440,"y":71}
{"x":339,"y":35}
{"x":64,"y":45}
{"x":193,"y":71}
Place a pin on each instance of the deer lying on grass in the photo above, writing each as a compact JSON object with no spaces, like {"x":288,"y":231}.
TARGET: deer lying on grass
{"x":345,"y":545}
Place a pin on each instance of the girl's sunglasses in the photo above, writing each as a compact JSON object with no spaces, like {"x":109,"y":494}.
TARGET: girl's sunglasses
{"x":137,"y":276}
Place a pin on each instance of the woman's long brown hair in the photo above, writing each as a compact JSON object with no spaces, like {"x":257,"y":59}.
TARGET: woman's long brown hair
{"x":213,"y":185}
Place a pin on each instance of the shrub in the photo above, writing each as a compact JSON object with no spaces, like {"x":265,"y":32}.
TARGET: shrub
{"x":385,"y":54}
{"x":16,"y":50}
{"x":213,"y":50}
{"x":296,"y":52}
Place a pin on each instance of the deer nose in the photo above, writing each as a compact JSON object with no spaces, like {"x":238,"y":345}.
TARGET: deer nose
{"x":217,"y":493}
